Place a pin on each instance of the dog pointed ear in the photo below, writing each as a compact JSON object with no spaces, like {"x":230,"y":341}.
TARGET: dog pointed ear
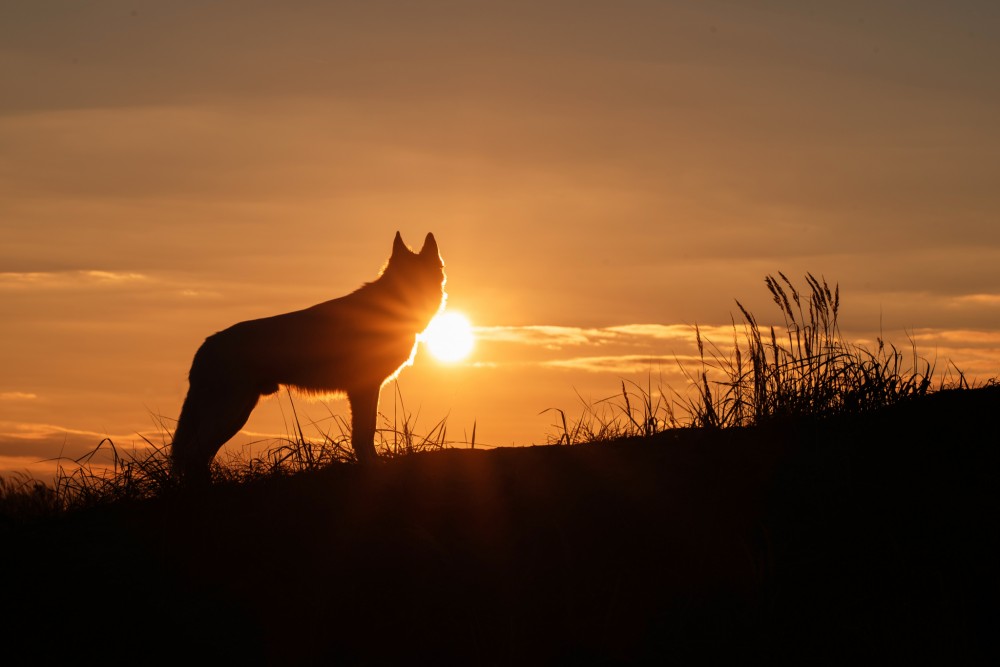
{"x":430,"y":246}
{"x":398,"y":246}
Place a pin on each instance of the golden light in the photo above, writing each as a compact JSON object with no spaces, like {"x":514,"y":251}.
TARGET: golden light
{"x":449,"y":337}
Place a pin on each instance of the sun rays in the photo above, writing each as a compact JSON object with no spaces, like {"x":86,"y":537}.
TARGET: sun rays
{"x":449,"y":337}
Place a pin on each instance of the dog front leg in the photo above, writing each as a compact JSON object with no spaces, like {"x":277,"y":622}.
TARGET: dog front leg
{"x":364,"y":413}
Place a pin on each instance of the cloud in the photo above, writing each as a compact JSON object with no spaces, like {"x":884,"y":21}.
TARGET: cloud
{"x":17,"y":396}
{"x":42,"y":441}
{"x":550,"y":337}
{"x":620,"y":350}
{"x":42,"y":450}
{"x":558,"y":337}
{"x":657,"y":331}
{"x":41,"y":431}
{"x":113,"y":277}
{"x":83,"y":279}
{"x":624,"y":363}
{"x":14,"y":469}
{"x":966,"y":337}
{"x":990,"y":300}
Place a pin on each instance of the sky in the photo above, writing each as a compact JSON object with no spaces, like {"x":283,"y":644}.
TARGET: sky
{"x":600,"y":177}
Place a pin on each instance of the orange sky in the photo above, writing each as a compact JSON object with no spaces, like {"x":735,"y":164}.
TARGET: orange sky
{"x":168,"y":169}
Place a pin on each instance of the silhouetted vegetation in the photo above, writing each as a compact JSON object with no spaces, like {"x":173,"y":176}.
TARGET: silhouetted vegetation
{"x":804,"y":367}
{"x":108,"y":474}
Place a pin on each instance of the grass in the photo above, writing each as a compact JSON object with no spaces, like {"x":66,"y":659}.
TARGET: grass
{"x":636,"y":411}
{"x":803,"y":366}
{"x":297,"y":452}
{"x":109,"y":474}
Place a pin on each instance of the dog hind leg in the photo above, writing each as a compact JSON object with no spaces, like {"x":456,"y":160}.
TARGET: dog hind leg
{"x":210,"y":417}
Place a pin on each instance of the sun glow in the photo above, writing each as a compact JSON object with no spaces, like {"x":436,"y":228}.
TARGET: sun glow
{"x":449,"y":337}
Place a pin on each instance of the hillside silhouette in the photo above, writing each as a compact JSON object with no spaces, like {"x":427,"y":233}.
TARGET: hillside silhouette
{"x":807,"y":540}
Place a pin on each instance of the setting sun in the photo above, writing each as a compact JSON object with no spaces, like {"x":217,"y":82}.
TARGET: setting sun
{"x":449,"y":337}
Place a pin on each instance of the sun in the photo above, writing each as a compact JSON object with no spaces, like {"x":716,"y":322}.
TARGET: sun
{"x":449,"y":337}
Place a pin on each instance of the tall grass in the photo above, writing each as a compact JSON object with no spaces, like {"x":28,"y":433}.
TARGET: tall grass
{"x":104,"y":475}
{"x":111,"y":474}
{"x":24,"y":497}
{"x":636,"y":411}
{"x":803,"y":366}
{"x":330,"y":443}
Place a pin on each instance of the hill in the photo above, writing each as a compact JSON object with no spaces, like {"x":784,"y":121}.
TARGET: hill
{"x":808,"y":541}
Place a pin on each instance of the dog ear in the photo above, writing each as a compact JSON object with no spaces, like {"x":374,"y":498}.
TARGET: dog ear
{"x":430,"y":247}
{"x":398,"y":246}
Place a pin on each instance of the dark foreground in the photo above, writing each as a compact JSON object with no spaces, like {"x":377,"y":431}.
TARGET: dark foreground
{"x":809,"y":543}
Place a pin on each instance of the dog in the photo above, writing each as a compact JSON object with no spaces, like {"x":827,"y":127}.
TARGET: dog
{"x":351,"y":345}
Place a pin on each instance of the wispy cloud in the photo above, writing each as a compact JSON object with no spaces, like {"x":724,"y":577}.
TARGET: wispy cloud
{"x":14,"y":467}
{"x":988,"y":300}
{"x":93,"y":282}
{"x":623,"y":363}
{"x":550,"y":337}
{"x":69,"y":279}
{"x":199,"y":293}
{"x":558,"y":337}
{"x":619,"y":350}
{"x":17,"y":396}
{"x":39,"y":431}
{"x":968,"y":337}
{"x":657,"y":331}
{"x":41,"y":449}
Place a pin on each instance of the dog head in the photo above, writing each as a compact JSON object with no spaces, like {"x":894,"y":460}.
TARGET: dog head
{"x":419,"y":276}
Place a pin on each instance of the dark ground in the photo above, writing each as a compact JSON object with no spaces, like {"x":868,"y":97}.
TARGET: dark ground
{"x":874,"y":538}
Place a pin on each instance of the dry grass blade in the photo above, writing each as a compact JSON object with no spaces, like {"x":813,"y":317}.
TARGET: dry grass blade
{"x":109,"y":474}
{"x":802,"y":367}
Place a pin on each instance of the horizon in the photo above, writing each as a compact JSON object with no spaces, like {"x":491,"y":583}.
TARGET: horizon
{"x":599,"y":179}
